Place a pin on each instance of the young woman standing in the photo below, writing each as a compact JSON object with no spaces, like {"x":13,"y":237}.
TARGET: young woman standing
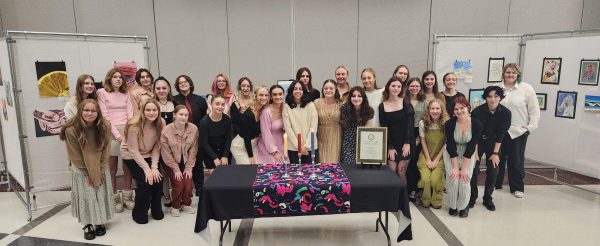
{"x":374,"y":94}
{"x":303,"y":75}
{"x":115,"y":105}
{"x":329,"y":131}
{"x":270,"y":142}
{"x":197,"y":109}
{"x":430,"y":86}
{"x":450,"y":92}
{"x":162,"y":94}
{"x":402,"y":73}
{"x":87,"y":137}
{"x":221,"y":86}
{"x":355,"y":113}
{"x":143,"y":91}
{"x":522,"y":102}
{"x":300,"y":116}
{"x":341,"y":78}
{"x":85,"y":89}
{"x":248,"y":126}
{"x":141,"y":153}
{"x":415,"y":95}
{"x":179,"y":146}
{"x":397,"y":115}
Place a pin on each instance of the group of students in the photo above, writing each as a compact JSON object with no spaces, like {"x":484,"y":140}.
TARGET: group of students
{"x":166,"y":141}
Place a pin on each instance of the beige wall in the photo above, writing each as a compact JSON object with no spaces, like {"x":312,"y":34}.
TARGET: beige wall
{"x":255,"y":38}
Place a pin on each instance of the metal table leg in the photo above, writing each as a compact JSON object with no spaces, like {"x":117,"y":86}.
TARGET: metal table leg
{"x":223,"y":228}
{"x":384,"y":227}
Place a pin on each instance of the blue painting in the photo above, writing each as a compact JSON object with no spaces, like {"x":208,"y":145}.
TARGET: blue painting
{"x":592,"y":103}
{"x":565,"y":104}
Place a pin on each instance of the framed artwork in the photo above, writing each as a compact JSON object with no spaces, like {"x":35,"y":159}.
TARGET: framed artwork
{"x":542,"y":97}
{"x":592,"y":104}
{"x":551,"y":71}
{"x":52,"y":79}
{"x":495,"y":66}
{"x":588,"y":72}
{"x":566,"y":102}
{"x":475,"y":97}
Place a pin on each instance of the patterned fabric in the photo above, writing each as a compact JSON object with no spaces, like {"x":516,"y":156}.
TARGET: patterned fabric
{"x":327,"y":194}
{"x":88,"y":204}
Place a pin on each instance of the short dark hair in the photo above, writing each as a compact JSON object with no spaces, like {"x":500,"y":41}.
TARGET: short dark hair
{"x":138,"y":75}
{"x":499,"y":91}
{"x":188,"y":79}
{"x":289,"y":98}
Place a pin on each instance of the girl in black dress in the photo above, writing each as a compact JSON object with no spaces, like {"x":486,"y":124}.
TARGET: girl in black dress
{"x":162,"y":94}
{"x":397,"y":115}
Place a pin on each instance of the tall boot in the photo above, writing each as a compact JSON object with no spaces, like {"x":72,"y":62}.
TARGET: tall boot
{"x":128,"y":199}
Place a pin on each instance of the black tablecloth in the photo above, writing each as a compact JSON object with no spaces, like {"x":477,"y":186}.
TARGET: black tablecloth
{"x":227,"y":194}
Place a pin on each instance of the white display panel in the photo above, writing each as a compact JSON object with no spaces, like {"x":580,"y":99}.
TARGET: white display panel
{"x":10,"y":134}
{"x":571,"y":144}
{"x":47,"y":158}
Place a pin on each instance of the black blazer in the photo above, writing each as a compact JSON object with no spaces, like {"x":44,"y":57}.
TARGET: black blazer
{"x":476,"y":128}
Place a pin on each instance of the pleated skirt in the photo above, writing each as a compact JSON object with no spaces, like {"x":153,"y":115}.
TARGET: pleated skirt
{"x":88,"y":204}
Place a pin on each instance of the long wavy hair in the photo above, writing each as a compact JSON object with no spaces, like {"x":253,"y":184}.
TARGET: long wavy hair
{"x":79,"y":94}
{"x":426,"y":116}
{"x":139,"y":120}
{"x":254,"y":105}
{"x":362,"y":115}
{"x":100,"y":125}
{"x":107,"y":81}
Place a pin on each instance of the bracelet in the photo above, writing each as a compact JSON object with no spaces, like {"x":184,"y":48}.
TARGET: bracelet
{"x":494,"y":153}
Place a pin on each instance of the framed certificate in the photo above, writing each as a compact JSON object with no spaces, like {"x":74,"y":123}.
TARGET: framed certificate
{"x":371,"y":145}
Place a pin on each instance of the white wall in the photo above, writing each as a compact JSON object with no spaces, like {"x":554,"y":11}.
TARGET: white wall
{"x":254,"y":37}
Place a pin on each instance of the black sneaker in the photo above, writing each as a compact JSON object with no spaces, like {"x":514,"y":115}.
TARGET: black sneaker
{"x":471,"y":204}
{"x":100,"y":230}
{"x":453,"y":212}
{"x":88,"y":232}
{"x":464,"y":213}
{"x":489,"y":205}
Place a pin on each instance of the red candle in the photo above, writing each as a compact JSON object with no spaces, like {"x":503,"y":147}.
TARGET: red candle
{"x":299,"y":143}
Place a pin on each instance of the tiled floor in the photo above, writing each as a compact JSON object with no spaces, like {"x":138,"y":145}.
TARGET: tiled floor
{"x":548,"y":215}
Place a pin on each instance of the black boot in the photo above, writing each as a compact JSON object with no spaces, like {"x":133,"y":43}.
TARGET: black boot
{"x":453,"y":212}
{"x":88,"y":232}
{"x":464,"y":213}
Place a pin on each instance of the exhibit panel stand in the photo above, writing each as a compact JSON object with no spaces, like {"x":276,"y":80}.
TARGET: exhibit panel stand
{"x":567,"y":137}
{"x":39,"y":73}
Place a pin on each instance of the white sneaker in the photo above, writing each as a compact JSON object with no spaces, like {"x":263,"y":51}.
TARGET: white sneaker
{"x":175,"y":212}
{"x":188,"y":209}
{"x":519,"y":194}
